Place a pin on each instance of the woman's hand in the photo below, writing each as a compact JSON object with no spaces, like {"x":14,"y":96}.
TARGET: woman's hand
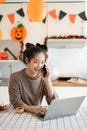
{"x":40,"y":110}
{"x":46,"y":74}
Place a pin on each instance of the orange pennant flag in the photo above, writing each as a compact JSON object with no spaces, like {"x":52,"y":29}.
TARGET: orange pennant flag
{"x":53,"y":13}
{"x":72,"y":17}
{"x":11,"y":17}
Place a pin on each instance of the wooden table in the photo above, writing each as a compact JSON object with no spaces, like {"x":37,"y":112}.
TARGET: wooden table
{"x":4,"y":83}
{"x":69,"y":83}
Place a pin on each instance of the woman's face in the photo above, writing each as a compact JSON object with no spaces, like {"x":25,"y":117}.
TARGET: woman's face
{"x":36,"y":64}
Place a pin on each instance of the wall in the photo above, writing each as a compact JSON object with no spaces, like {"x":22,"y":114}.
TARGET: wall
{"x":67,"y":61}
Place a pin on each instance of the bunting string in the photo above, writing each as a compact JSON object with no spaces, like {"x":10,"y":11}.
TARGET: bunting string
{"x":52,"y":13}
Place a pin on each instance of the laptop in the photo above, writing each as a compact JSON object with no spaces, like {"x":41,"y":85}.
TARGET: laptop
{"x":62,"y":107}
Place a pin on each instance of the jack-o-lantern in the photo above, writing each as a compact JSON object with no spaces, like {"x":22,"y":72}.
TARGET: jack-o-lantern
{"x":1,"y":1}
{"x":3,"y":55}
{"x":0,"y":35}
{"x":18,"y":33}
{"x":36,"y":10}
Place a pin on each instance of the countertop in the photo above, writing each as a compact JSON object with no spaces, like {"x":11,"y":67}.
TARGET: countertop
{"x":62,"y":81}
{"x":57,"y":83}
{"x":4,"y":84}
{"x":69,"y":83}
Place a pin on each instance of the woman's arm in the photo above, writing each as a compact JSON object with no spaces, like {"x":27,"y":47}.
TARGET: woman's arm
{"x":48,"y":85}
{"x":35,"y":109}
{"x":15,"y":97}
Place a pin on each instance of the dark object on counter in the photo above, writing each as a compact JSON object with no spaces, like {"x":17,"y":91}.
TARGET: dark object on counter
{"x":6,"y":49}
{"x":4,"y":108}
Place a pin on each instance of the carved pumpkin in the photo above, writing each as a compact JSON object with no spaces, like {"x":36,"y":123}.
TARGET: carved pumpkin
{"x":1,"y":1}
{"x":0,"y":35}
{"x":36,"y":10}
{"x":18,"y":33}
{"x":3,"y":55}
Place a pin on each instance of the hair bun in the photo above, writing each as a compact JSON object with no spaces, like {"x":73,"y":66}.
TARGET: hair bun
{"x":28,"y":45}
{"x":44,"y":47}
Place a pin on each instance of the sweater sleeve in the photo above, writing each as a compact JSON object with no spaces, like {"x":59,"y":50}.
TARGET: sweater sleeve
{"x":14,"y":92}
{"x":48,"y":98}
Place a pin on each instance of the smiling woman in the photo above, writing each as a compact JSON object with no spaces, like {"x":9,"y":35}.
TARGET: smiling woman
{"x":28,"y":86}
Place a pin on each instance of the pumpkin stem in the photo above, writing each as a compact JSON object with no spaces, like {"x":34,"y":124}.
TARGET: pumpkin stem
{"x":20,"y":25}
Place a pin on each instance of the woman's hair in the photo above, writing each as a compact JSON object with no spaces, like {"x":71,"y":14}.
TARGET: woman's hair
{"x":31,"y":51}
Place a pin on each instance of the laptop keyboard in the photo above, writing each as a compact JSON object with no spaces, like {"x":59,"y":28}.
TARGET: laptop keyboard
{"x":41,"y":115}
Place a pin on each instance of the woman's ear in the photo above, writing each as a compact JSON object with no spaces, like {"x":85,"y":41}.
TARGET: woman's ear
{"x":27,"y":60}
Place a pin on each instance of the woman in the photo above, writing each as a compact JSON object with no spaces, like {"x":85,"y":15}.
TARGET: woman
{"x":28,"y":86}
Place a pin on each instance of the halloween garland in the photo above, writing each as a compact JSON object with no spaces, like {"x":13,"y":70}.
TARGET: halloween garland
{"x":64,"y":37}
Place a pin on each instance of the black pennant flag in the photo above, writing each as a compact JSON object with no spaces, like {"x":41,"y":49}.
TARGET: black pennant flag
{"x":1,"y":16}
{"x":44,"y":21}
{"x":83,"y":15}
{"x":20,"y":12}
{"x":61,"y":14}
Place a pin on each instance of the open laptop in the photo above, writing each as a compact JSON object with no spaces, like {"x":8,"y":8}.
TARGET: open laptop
{"x":62,"y":107}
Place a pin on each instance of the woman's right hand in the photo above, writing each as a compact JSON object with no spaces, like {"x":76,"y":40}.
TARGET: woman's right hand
{"x":40,"y":110}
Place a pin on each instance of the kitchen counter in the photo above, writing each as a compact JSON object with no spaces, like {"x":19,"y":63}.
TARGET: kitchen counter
{"x":57,"y":83}
{"x":61,"y":82}
{"x":70,"y":83}
{"x":4,"y":84}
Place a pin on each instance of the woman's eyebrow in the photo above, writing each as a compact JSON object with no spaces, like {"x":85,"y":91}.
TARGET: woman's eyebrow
{"x":39,"y":60}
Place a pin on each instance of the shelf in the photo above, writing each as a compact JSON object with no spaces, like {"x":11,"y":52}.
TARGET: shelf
{"x":18,"y":1}
{"x":7,"y":61}
{"x":66,"y":43}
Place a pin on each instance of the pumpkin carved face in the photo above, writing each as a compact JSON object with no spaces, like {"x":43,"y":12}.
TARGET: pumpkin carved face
{"x":3,"y":55}
{"x":18,"y":33}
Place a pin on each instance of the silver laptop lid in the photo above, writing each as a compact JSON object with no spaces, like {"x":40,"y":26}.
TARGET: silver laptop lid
{"x":64,"y":107}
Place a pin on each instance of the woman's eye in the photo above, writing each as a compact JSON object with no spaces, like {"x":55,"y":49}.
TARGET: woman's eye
{"x":42,"y":63}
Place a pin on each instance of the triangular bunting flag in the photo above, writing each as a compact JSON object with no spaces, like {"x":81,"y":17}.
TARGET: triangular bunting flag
{"x":44,"y":21}
{"x":1,"y":16}
{"x":20,"y":12}
{"x":53,"y":14}
{"x":72,"y":17}
{"x":11,"y":17}
{"x":83,"y":15}
{"x":61,"y":14}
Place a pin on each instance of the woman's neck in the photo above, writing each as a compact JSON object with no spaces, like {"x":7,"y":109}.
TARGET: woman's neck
{"x":30,"y":73}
